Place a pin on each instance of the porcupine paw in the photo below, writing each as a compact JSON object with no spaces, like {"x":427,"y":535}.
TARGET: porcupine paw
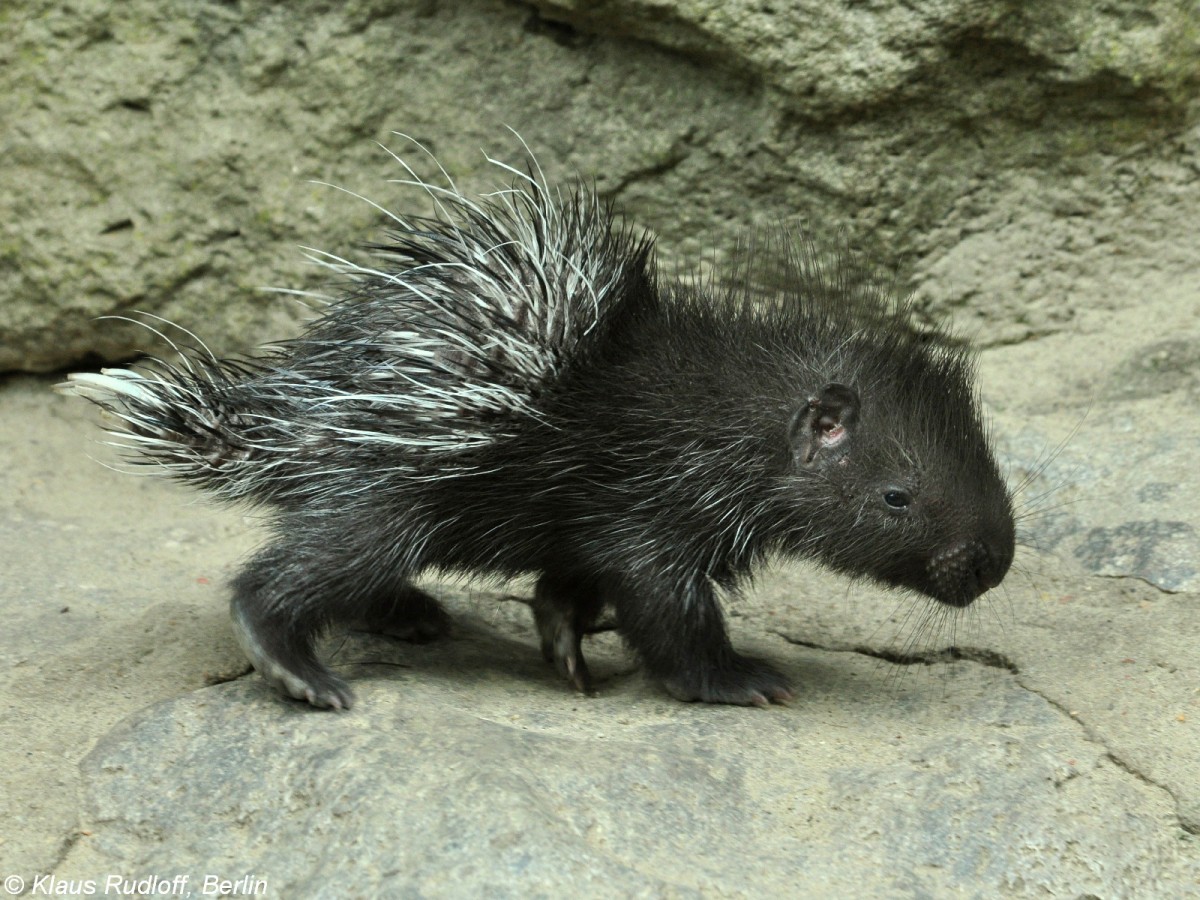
{"x":740,"y":680}
{"x":317,"y":686}
{"x":562,"y":645}
{"x":312,"y":682}
{"x":291,"y":671}
{"x":414,"y":616}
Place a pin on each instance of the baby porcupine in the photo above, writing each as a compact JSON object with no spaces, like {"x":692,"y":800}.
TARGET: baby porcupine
{"x":513,"y":389}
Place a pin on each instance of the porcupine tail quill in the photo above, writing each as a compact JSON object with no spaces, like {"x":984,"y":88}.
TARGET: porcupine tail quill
{"x":437,"y":350}
{"x":190,"y":420}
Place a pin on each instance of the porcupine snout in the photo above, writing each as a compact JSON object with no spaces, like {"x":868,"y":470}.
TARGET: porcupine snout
{"x":970,"y":568}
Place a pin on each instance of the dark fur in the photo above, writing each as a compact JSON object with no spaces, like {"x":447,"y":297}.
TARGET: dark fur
{"x":690,"y":435}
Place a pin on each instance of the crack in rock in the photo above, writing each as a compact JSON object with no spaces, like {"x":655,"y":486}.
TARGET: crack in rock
{"x":1090,"y":735}
{"x":984,"y":657}
{"x":999,"y":661}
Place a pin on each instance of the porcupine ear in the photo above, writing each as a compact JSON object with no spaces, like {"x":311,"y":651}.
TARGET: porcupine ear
{"x":823,"y":422}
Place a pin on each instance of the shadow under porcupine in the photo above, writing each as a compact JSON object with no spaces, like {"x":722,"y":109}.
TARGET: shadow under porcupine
{"x":512,"y":388}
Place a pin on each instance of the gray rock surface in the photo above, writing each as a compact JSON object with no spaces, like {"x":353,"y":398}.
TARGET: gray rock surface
{"x":1033,"y":173}
{"x":159,"y":156}
{"x":459,"y":775}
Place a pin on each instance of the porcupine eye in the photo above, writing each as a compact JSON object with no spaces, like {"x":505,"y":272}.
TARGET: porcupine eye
{"x":896,"y":499}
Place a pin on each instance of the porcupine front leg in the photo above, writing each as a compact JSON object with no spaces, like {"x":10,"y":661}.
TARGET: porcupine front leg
{"x":289,"y":593}
{"x":679,"y":632}
{"x":565,"y":608}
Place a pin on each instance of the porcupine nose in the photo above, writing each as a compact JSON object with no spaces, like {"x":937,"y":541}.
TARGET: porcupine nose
{"x":989,"y":566}
{"x":983,"y":560}
{"x":970,"y":568}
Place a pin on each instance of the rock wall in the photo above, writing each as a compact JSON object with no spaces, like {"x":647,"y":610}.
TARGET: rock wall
{"x":1017,"y":165}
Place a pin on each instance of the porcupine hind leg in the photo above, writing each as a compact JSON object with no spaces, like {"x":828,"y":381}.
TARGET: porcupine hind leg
{"x":288,"y":594}
{"x":679,"y":632}
{"x":403,"y":611}
{"x":565,"y":608}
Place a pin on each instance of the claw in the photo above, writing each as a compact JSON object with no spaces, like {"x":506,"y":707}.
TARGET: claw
{"x":742,"y":681}
{"x":562,"y":645}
